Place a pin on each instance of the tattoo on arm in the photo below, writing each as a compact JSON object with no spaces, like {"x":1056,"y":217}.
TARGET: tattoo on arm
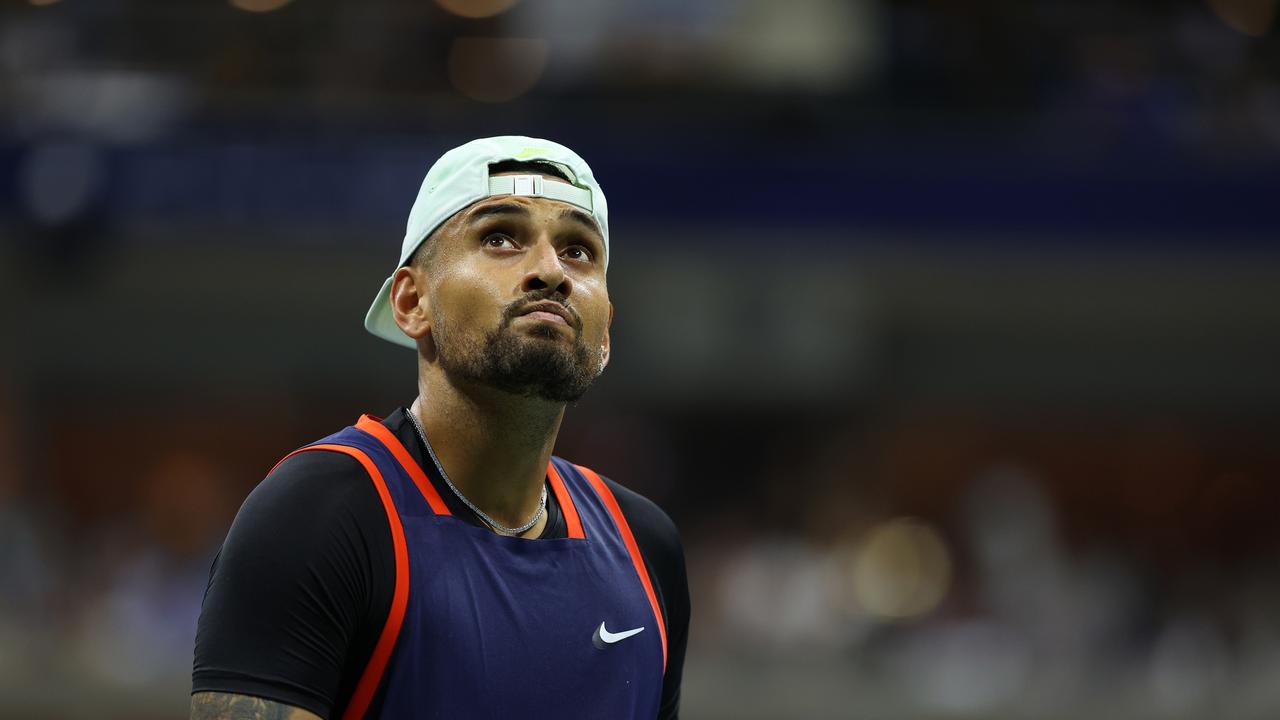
{"x":229,"y":706}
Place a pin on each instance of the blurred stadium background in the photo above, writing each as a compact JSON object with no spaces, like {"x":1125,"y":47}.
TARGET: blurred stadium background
{"x":947,"y":332}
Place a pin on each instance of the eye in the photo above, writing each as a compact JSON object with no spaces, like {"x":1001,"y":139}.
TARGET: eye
{"x":577,"y":252}
{"x":498,"y":240}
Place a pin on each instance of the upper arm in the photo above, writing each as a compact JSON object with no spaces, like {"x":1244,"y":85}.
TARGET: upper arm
{"x":229,"y":706}
{"x":299,"y":590}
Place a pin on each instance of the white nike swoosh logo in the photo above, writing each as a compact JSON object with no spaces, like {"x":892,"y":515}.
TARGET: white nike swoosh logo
{"x":607,"y":638}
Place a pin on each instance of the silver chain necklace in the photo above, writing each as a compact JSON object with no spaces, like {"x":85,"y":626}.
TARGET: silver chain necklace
{"x":542,"y":504}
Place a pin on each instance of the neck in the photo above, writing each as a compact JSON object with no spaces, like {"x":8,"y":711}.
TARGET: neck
{"x":495,"y":447}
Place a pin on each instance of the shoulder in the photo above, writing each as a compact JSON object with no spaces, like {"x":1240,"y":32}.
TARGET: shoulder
{"x":314,"y":481}
{"x":301,"y":584}
{"x":653,"y":527}
{"x":306,"y":502}
{"x":654,"y":530}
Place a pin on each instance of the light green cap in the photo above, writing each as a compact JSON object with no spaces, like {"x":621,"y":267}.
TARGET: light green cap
{"x":461,"y":177}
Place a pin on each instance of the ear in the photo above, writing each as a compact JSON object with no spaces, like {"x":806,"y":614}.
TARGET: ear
{"x":409,"y":303}
{"x":604,"y":343}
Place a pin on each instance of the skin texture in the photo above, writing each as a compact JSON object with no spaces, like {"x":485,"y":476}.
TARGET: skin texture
{"x":495,"y":440}
{"x":228,"y":706}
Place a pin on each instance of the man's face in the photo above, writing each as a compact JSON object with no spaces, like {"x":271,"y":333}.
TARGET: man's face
{"x":517,"y":297}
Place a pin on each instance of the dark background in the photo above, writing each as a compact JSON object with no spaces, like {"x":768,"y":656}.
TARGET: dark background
{"x":947,"y":332}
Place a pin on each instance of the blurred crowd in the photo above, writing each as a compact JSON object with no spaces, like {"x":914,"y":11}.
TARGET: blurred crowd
{"x":957,"y":566}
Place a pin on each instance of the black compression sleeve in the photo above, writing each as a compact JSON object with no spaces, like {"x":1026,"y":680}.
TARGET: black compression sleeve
{"x":298,"y":591}
{"x":659,"y":542}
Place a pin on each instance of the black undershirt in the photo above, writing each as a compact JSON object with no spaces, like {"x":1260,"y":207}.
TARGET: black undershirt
{"x":301,"y":588}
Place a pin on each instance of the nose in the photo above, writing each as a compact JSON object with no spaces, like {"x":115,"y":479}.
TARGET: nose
{"x":545,"y":270}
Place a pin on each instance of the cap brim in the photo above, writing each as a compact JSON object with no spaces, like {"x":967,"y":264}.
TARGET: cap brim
{"x":380,"y":322}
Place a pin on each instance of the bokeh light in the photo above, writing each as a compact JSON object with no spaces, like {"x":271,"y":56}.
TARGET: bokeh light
{"x":496,"y":70}
{"x":477,"y":8}
{"x":258,"y":6}
{"x":57,"y":181}
{"x":902,"y":569}
{"x":1250,"y":17}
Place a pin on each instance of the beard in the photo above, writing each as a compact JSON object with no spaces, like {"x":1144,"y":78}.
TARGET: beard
{"x":535,"y":364}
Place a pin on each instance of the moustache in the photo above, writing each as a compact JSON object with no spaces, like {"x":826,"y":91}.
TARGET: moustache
{"x":512,"y":311}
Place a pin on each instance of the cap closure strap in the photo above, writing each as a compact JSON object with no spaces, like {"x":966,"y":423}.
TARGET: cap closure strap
{"x":537,"y":186}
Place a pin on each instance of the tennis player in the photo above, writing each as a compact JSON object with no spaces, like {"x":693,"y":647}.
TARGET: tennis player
{"x":442,"y":562}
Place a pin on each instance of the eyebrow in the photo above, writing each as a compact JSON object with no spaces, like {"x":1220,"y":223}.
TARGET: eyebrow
{"x":497,"y":209}
{"x":582,"y":218}
{"x":508,"y":208}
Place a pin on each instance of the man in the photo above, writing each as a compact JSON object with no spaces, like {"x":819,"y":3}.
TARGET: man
{"x":441,"y":563}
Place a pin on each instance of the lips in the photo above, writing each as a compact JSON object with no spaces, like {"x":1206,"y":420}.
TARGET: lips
{"x":549,"y":311}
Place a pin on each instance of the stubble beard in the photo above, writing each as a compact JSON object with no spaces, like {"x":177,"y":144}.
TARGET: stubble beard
{"x":534,"y":364}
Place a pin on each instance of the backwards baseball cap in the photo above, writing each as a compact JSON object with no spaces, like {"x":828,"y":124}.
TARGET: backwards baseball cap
{"x":461,"y":177}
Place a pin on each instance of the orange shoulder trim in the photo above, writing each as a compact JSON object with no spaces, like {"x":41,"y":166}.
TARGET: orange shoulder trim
{"x":377,"y":665}
{"x":611,"y":503}
{"x":572,"y":522}
{"x":370,"y":425}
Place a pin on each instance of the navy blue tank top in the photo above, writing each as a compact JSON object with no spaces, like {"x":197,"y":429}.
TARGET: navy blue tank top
{"x":487,"y":626}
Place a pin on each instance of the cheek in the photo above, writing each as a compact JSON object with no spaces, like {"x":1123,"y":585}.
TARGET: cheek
{"x":469,"y":301}
{"x":595,"y":320}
